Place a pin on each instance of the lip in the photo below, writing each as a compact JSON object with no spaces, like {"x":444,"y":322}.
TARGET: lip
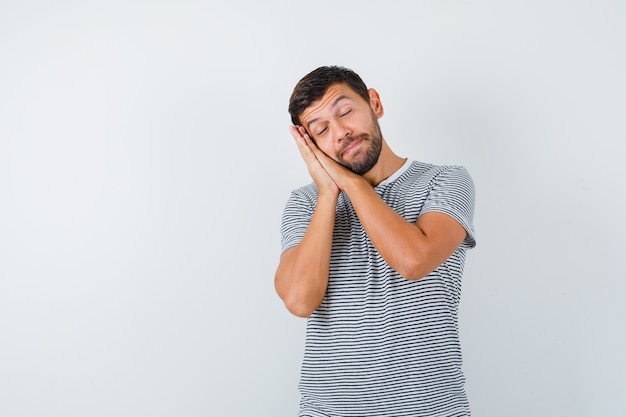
{"x":352,"y":147}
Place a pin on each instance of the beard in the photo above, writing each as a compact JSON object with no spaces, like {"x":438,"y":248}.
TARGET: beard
{"x":366,"y":159}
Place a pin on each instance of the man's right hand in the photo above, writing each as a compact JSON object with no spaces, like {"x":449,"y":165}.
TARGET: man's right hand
{"x":323,"y":181}
{"x":302,"y":275}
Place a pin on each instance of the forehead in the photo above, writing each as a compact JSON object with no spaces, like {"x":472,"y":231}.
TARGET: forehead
{"x":334,"y":95}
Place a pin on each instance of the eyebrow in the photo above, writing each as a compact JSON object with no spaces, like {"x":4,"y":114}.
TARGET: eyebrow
{"x":332,"y":106}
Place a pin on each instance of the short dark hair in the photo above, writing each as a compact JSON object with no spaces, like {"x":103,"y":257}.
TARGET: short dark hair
{"x":313,"y":86}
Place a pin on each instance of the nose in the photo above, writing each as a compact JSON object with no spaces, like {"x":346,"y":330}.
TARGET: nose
{"x":341,"y":131}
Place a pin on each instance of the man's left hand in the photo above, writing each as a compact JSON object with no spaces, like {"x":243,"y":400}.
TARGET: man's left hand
{"x":340,"y":174}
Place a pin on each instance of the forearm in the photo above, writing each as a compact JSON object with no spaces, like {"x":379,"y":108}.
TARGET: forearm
{"x":302,"y":275}
{"x":402,"y":244}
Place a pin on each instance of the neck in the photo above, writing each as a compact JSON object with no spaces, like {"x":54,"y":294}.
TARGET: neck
{"x":388,"y":163}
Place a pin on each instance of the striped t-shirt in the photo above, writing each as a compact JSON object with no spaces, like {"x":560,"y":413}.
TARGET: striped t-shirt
{"x":379,"y":344}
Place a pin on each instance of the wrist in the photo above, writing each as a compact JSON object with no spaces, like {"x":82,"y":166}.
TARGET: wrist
{"x":328,"y":196}
{"x":353,"y":182}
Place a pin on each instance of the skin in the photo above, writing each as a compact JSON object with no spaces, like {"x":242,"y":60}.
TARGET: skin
{"x":412,"y":249}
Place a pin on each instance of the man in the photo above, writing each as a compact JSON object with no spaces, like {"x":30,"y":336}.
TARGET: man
{"x":373,"y":253}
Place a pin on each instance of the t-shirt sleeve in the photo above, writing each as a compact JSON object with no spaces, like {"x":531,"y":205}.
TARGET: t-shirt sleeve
{"x":295,"y":220}
{"x":453,"y":193}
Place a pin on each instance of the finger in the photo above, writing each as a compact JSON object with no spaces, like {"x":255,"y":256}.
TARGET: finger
{"x":303,"y":145}
{"x":313,"y":149}
{"x":307,"y":138}
{"x":296,"y":133}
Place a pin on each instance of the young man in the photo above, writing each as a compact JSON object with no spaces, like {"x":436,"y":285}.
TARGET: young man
{"x":373,"y":254}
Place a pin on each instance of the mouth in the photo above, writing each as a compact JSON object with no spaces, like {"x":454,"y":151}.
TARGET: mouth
{"x":352,"y":147}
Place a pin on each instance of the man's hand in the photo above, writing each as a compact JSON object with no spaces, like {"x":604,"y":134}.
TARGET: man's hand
{"x":302,"y":276}
{"x":339,"y":174}
{"x":309,"y":152}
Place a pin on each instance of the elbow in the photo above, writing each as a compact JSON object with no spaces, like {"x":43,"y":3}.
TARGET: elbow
{"x":412,"y":269}
{"x":298,"y":304}
{"x":299,"y":309}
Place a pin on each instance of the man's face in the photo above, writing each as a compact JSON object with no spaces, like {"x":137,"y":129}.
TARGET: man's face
{"x":344,"y":127}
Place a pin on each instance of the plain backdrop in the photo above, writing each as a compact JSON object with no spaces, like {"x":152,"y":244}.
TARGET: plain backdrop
{"x":145,"y":160}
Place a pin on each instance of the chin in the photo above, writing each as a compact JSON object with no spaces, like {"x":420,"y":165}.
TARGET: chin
{"x":362,"y":169}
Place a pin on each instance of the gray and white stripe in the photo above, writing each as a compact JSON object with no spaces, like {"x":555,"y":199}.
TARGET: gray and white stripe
{"x":381,"y":345}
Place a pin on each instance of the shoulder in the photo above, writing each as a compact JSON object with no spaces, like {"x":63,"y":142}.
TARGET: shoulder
{"x":427,"y":173}
{"x":306,"y":192}
{"x":303,"y":198}
{"x":418,"y":167}
{"x":438,"y":184}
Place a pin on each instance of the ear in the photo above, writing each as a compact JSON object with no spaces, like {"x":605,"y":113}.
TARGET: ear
{"x":375,"y":103}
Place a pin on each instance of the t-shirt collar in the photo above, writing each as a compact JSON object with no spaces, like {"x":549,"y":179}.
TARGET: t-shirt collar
{"x":396,"y":174}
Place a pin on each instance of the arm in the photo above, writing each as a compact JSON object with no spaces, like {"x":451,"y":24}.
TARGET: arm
{"x":412,"y":249}
{"x":302,"y":275}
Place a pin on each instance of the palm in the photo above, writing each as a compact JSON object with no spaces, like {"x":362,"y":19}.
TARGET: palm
{"x":308,"y":151}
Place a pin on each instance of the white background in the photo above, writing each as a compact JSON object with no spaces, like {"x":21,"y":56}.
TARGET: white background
{"x":145,"y":161}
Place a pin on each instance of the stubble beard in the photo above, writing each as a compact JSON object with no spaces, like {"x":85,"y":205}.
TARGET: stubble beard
{"x":367,"y":161}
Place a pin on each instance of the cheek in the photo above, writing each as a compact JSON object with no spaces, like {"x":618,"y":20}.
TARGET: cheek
{"x":323,"y":145}
{"x":327,"y":147}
